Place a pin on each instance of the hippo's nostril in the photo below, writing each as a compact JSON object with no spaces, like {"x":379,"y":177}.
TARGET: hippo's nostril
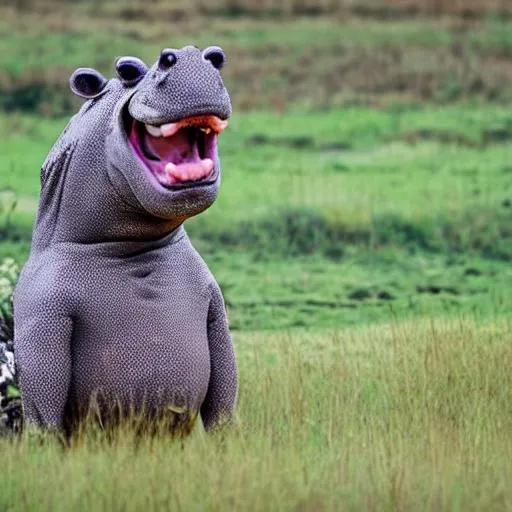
{"x":167,"y":59}
{"x":216,"y":56}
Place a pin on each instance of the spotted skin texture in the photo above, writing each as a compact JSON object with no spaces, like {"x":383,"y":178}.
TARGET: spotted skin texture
{"x":114,"y":306}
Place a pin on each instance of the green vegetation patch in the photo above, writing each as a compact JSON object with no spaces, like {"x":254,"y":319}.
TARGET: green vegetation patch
{"x":323,"y":60}
{"x":333,"y":218}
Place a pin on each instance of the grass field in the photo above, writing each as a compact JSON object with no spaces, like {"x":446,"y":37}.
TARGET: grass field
{"x":339,"y":217}
{"x":400,"y":416}
{"x":362,"y":239}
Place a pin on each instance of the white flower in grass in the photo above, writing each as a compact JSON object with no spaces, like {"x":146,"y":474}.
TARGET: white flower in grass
{"x":6,"y":372}
{"x":10,"y":362}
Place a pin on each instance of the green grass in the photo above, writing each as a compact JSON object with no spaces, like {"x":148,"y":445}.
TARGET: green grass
{"x":276,"y":62}
{"x":362,"y":239}
{"x":399,"y":416}
{"x":334,"y":218}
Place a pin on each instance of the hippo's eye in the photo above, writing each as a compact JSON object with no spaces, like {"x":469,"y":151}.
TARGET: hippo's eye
{"x":167,"y":59}
{"x":216,"y":55}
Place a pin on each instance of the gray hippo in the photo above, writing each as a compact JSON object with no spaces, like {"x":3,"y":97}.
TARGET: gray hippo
{"x":115,"y":310}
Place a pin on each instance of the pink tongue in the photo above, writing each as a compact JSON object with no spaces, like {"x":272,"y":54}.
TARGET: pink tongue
{"x":190,"y":171}
{"x":182,"y":157}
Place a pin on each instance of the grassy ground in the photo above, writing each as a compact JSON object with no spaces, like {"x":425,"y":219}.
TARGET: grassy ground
{"x":403,"y":416}
{"x":276,"y":61}
{"x":344,"y":216}
{"x":362,"y":239}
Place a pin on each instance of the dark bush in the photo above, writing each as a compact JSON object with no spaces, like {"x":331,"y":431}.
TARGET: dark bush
{"x":37,"y":97}
{"x":304,"y":232}
{"x":392,"y":230}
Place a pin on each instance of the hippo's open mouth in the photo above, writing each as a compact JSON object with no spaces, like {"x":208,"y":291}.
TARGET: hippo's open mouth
{"x":179,"y":153}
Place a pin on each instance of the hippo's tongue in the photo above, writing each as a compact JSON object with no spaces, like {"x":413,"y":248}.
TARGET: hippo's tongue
{"x":180,"y":155}
{"x":191,"y":171}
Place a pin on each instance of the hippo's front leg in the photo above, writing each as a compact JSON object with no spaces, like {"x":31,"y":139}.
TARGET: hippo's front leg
{"x":219,"y":404}
{"x":43,"y":358}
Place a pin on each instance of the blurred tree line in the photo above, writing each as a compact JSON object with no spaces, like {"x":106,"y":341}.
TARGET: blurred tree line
{"x":322,"y":52}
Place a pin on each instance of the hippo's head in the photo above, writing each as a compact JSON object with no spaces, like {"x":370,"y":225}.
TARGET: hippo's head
{"x":161,"y":139}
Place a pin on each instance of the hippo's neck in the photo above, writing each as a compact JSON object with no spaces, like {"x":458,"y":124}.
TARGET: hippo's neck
{"x":78,"y":202}
{"x":117,"y":249}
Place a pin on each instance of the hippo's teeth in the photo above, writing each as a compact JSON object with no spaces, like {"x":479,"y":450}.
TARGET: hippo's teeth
{"x":154,"y":131}
{"x":206,"y":130}
{"x":170,"y":129}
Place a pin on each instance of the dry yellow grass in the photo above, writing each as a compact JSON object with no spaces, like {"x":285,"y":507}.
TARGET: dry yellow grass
{"x":410,"y":416}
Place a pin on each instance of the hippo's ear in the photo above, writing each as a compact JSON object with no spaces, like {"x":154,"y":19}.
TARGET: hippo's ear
{"x":130,"y":70}
{"x":216,"y":55}
{"x":87,"y":83}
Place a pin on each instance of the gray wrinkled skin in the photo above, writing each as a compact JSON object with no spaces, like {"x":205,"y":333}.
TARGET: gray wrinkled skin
{"x":115,"y":306}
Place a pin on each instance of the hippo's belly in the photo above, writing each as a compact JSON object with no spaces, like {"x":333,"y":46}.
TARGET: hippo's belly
{"x":146,"y":349}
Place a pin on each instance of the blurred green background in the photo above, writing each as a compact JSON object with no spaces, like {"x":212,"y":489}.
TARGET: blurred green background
{"x":366,"y":171}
